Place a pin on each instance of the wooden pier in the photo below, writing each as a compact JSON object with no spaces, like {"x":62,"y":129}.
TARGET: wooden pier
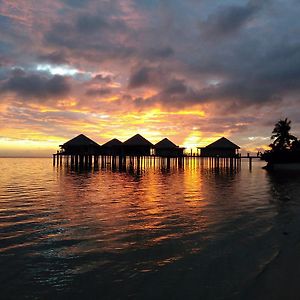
{"x":121,"y":162}
{"x":137,"y":152}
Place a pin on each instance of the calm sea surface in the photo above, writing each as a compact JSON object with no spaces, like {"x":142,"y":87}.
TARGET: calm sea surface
{"x":156,"y":233}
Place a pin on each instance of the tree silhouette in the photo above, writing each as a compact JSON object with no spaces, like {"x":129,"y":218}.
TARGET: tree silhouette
{"x":281,"y":135}
{"x":295,"y":145}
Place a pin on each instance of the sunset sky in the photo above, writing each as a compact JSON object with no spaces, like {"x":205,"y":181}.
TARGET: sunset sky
{"x":190,"y":70}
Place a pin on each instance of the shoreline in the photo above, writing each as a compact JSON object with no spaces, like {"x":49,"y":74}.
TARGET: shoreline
{"x":282,"y":166}
{"x":279,"y":280}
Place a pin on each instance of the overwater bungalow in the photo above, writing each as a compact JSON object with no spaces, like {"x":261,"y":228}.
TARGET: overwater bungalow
{"x":167,"y":148}
{"x":220,"y":148}
{"x":137,"y":146}
{"x":113,"y":147}
{"x":80,"y":145}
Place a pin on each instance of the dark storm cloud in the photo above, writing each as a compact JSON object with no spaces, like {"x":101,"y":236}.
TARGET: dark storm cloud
{"x":147,"y":76}
{"x":174,"y":93}
{"x":56,"y":58}
{"x":88,"y":23}
{"x":268,"y":80}
{"x":76,"y":3}
{"x":235,"y":53}
{"x":159,"y":53}
{"x":61,"y":34}
{"x":86,"y":30}
{"x":35,"y":86}
{"x":176,"y":87}
{"x":99,"y":92}
{"x":253,"y":66}
{"x":92,"y":40}
{"x":102,"y":78}
{"x":140,"y":78}
{"x":272,"y":76}
{"x":229,"y":18}
{"x":5,"y":47}
{"x":105,"y":35}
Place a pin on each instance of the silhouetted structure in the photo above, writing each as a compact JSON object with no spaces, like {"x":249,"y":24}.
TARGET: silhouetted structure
{"x":137,"y":146}
{"x":220,"y":148}
{"x":83,"y":153}
{"x":80,"y":145}
{"x":167,"y":148}
{"x":113,"y":147}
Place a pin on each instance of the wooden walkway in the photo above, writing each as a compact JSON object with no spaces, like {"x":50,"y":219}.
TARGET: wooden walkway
{"x":96,"y":161}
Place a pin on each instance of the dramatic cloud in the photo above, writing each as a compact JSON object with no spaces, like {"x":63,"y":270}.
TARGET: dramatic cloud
{"x":98,"y":92}
{"x":55,"y":58}
{"x":229,"y":19}
{"x":35,"y":86}
{"x":102,"y":78}
{"x":146,"y":76}
{"x":171,"y":68}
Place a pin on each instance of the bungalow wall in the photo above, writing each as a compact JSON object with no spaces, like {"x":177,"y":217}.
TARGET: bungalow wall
{"x":81,"y":150}
{"x":112,"y":151}
{"x":214,"y":152}
{"x":169,"y":152}
{"x":137,"y":150}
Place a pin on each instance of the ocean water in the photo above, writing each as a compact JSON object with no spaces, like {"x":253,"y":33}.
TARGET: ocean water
{"x":193,"y":232}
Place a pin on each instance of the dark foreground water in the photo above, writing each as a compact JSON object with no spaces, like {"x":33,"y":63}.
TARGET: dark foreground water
{"x":188,"y":233}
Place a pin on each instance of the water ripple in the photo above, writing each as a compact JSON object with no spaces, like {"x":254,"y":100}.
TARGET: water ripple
{"x":67,"y":234}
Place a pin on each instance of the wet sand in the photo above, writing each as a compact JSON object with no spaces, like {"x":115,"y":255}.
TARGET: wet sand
{"x":280,"y":279}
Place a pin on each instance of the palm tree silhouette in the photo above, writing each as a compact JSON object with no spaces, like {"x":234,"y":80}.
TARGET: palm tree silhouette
{"x":281,"y":135}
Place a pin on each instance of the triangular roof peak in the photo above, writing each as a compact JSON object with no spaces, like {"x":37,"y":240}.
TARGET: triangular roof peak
{"x":165,"y":144}
{"x":112,"y":143}
{"x":223,"y":143}
{"x":137,"y":140}
{"x":80,"y":140}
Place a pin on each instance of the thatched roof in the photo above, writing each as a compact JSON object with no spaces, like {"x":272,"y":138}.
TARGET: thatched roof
{"x":80,"y":140}
{"x":165,"y":144}
{"x":137,"y":140}
{"x":113,"y":143}
{"x":223,"y":143}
